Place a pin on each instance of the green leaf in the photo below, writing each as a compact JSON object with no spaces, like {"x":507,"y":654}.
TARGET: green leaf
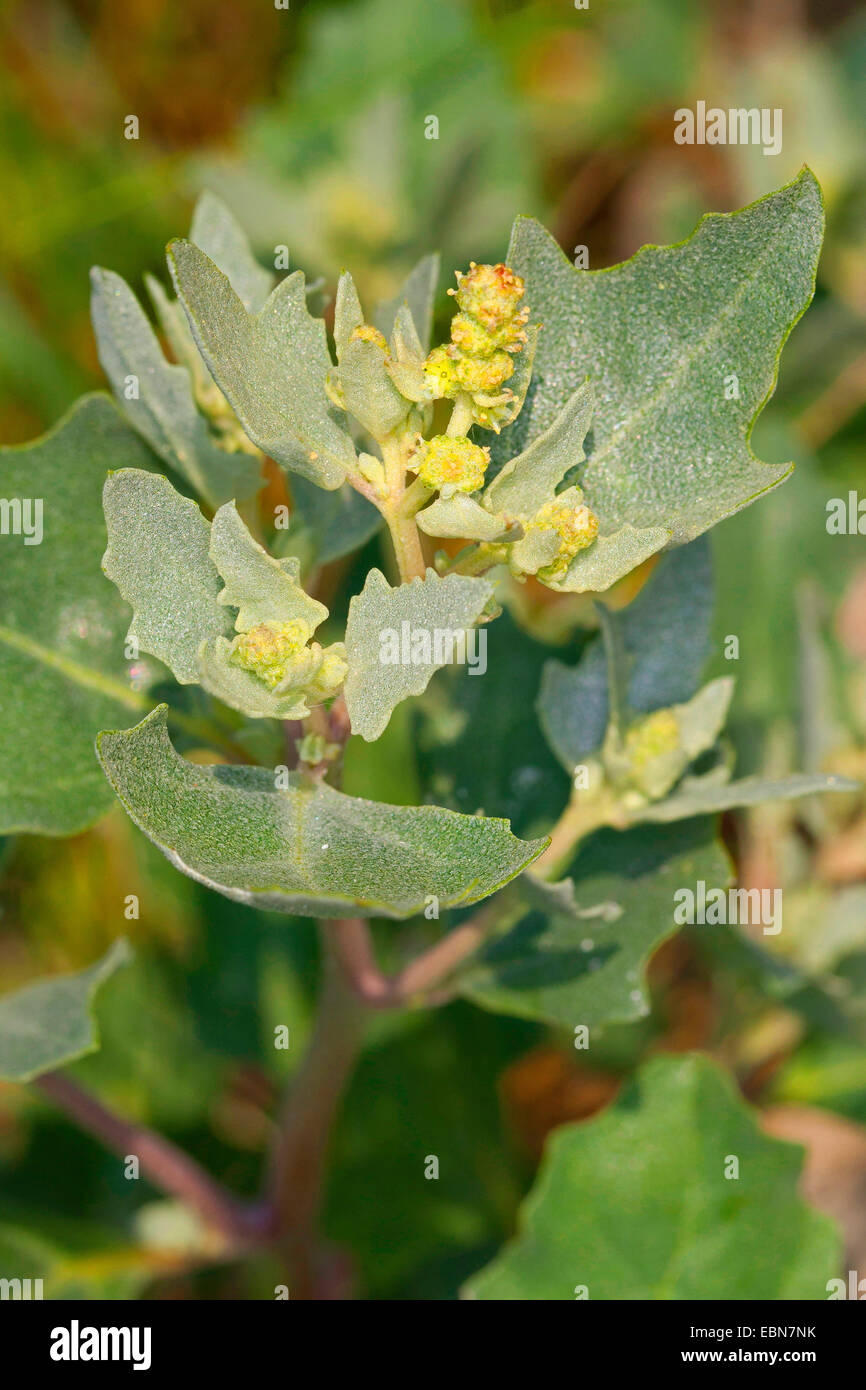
{"x":666,"y":636}
{"x":270,"y":367}
{"x":63,"y":673}
{"x":460,"y":517}
{"x":418,"y":292}
{"x":348,"y":314}
{"x":579,"y":957}
{"x":635,"y":1204}
{"x":457,"y":765}
{"x":49,"y":1023}
{"x":165,"y":413}
{"x":699,"y":796}
{"x":391,"y":640}
{"x":308,"y":849}
{"x":216,"y":231}
{"x":261,"y":588}
{"x":530,"y":479}
{"x":158,"y":556}
{"x":610,"y":558}
{"x":658,"y":336}
{"x":367,"y":389}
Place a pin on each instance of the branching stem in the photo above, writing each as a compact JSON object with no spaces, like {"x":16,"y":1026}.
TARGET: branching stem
{"x":160,"y":1161}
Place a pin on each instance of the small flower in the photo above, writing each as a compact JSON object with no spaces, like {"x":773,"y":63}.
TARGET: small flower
{"x":454,"y":464}
{"x":271,"y":650}
{"x":490,"y":293}
{"x":440,"y":373}
{"x":651,"y":738}
{"x":473,"y":338}
{"x":574,"y":524}
{"x":483,"y":374}
{"x":331,"y":673}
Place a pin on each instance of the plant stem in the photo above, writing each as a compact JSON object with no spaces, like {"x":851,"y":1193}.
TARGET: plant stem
{"x":581,"y":816}
{"x":160,"y":1161}
{"x":407,"y":545}
{"x":461,"y":416}
{"x":352,"y":948}
{"x":300,"y":1148}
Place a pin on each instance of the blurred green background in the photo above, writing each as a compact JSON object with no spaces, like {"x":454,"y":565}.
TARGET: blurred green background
{"x":310,"y":123}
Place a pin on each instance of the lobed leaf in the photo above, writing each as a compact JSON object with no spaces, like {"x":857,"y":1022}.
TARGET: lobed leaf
{"x":271,"y":366}
{"x":164,"y":413}
{"x":530,"y":479}
{"x":664,"y":1151}
{"x":580,"y":955}
{"x":661,"y":338}
{"x":159,"y":557}
{"x":216,"y":231}
{"x":367,"y":389}
{"x":383,"y":621}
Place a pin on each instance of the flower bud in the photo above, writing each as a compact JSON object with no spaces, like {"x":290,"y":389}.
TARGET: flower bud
{"x":440,"y":373}
{"x":271,"y":650}
{"x":483,"y":374}
{"x":490,"y":293}
{"x":574,"y":524}
{"x":450,"y":462}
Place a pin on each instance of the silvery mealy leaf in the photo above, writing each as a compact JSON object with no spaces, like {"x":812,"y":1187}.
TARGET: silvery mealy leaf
{"x":241,"y":689}
{"x":610,"y":558}
{"x":162,"y":407}
{"x":348,"y":314}
{"x":63,"y":668}
{"x":49,"y":1023}
{"x":530,"y":479}
{"x":217,"y":232}
{"x":158,"y":556}
{"x":185,"y":577}
{"x":367,"y":389}
{"x":460,"y":517}
{"x":418,"y":292}
{"x":700,"y":796}
{"x":304,"y":848}
{"x":261,"y":588}
{"x":270,"y":366}
{"x":397,"y":638}
{"x":682,"y":345}
{"x":666,"y":638}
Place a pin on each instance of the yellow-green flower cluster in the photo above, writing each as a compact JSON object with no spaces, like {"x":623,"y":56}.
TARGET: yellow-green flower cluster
{"x":283,"y":657}
{"x":572,"y":521}
{"x":450,"y":464}
{"x":485,"y":336}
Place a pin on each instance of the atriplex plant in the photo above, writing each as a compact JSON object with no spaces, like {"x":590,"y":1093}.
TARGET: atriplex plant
{"x":574,"y":425}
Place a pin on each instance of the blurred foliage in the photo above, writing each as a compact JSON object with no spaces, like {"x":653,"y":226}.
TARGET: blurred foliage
{"x":311,"y":123}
